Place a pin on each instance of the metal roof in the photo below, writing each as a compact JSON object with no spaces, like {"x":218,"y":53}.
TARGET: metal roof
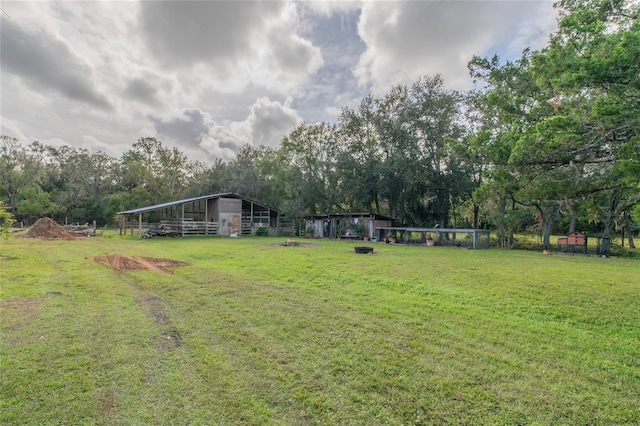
{"x":348,"y":214}
{"x":188,"y":200}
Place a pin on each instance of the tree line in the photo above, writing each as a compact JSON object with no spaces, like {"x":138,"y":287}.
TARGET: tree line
{"x":547,"y":143}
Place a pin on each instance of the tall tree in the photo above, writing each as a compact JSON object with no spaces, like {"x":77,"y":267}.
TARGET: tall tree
{"x":360,"y":156}
{"x":20,"y":168}
{"x":434,"y":118}
{"x":308,"y":157}
{"x":573,"y":106}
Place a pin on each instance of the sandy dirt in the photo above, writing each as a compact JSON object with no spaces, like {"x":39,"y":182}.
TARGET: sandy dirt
{"x":47,"y":229}
{"x":124,"y":263}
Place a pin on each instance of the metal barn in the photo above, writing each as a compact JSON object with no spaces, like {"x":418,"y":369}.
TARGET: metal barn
{"x":216,"y":214}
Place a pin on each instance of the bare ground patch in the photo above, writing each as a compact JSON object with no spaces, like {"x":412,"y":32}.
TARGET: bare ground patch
{"x":169,"y":337}
{"x":124,"y":263}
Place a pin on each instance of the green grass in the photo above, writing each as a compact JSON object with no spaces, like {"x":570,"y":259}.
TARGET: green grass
{"x":255,"y":333}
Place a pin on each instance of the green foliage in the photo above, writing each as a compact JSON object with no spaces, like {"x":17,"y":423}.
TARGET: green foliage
{"x":6,"y":221}
{"x":636,"y":213}
{"x":262,"y":232}
{"x":568,"y":114}
{"x":37,"y":203}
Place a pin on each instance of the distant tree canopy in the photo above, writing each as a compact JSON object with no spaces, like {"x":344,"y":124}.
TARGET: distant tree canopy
{"x":548,"y":143}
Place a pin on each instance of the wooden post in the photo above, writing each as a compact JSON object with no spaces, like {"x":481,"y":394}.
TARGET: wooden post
{"x":139,"y":224}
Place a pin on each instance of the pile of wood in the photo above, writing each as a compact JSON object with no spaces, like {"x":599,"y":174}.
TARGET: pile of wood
{"x":85,"y":230}
{"x":159,"y":231}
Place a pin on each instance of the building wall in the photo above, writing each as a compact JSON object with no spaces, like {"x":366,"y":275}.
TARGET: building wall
{"x":228,"y":213}
{"x":230,"y":205}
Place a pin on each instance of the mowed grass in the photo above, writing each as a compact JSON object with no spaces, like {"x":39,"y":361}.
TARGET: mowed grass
{"x":254,"y":333}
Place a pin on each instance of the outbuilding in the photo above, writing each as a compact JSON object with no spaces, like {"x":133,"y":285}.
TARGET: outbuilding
{"x":215,"y":214}
{"x":345,"y":225}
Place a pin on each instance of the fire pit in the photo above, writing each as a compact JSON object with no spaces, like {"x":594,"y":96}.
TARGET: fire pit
{"x":363,"y":250}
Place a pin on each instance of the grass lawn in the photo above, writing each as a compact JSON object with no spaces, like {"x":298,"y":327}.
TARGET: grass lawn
{"x":250,"y":332}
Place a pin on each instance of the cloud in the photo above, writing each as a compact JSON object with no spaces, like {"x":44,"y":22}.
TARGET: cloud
{"x":408,"y":39}
{"x":212,"y":76}
{"x":48,"y":62}
{"x":141,"y":90}
{"x":233,"y":44}
{"x":189,"y":128}
{"x":329,"y":8}
{"x":182,"y":34}
{"x":334,"y":31}
{"x":271,"y":121}
{"x":267,"y":123}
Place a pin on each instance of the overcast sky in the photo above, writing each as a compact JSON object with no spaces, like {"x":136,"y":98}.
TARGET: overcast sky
{"x":211,"y":76}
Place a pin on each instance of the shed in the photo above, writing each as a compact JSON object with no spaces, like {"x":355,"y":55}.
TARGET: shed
{"x":215,"y":214}
{"x":334,"y":225}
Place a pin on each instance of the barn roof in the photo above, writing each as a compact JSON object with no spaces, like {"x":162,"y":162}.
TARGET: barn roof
{"x":188,"y":200}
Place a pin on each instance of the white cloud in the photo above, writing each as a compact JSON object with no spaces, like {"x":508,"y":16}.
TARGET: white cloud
{"x":408,"y":39}
{"x":48,"y":62}
{"x":270,"y":121}
{"x":267,"y":123}
{"x":330,"y":7}
{"x":229,"y":46}
{"x":211,"y":76}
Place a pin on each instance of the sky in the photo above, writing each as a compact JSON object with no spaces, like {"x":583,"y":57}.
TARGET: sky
{"x":211,"y":76}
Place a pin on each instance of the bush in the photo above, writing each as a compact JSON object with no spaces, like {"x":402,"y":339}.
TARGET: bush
{"x":6,"y":221}
{"x":262,"y":232}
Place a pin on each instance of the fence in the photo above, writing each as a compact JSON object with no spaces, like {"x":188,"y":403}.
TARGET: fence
{"x":190,"y":227}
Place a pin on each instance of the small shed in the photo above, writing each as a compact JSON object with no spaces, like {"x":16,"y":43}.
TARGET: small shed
{"x":334,"y":225}
{"x":572,"y":241}
{"x":216,"y":214}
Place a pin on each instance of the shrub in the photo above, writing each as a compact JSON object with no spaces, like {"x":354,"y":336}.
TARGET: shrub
{"x":6,"y":221}
{"x":262,"y":232}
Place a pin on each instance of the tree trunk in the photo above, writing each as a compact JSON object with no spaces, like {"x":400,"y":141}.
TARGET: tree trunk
{"x":547,"y":223}
{"x":512,"y":236}
{"x":574,"y":217}
{"x":608,"y":223}
{"x":476,"y":216}
{"x":503,"y":208}
{"x":627,"y":227}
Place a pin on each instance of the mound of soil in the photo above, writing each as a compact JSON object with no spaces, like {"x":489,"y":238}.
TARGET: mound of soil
{"x":46,"y":229}
{"x":124,"y":263}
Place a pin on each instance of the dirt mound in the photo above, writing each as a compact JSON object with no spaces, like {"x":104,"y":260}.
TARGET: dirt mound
{"x":123,"y":263}
{"x":46,"y":229}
